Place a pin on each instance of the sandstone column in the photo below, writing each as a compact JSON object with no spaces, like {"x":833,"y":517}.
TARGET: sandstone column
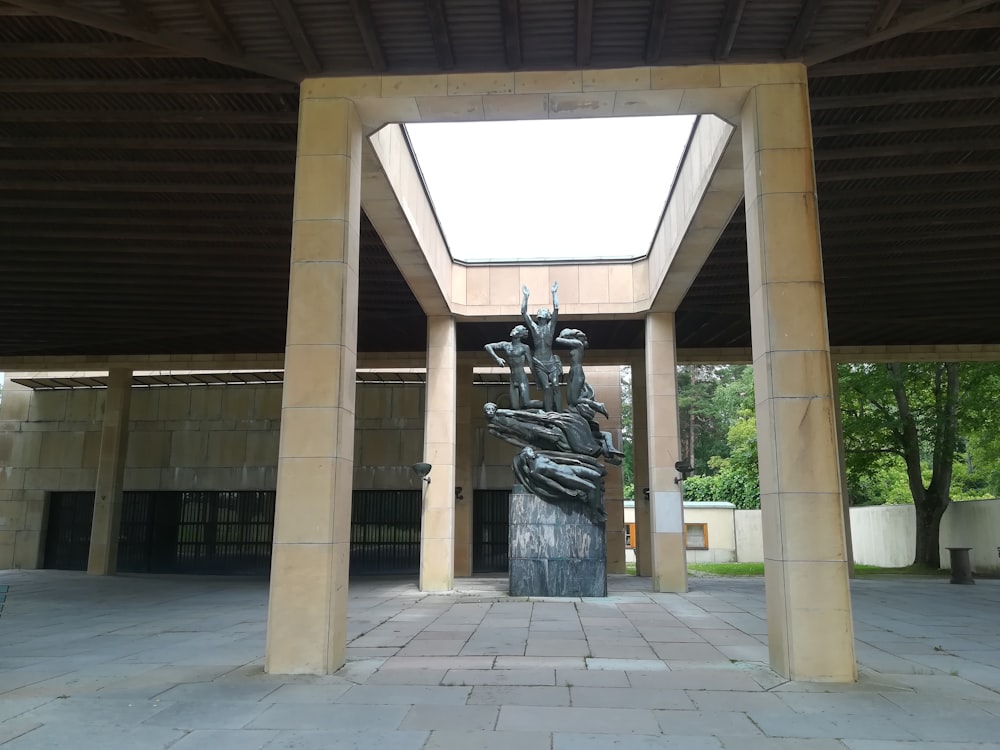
{"x":103,"y":558}
{"x":437,"y":528}
{"x":307,"y":610}
{"x":465,"y":439}
{"x":810,"y":631}
{"x":666,"y":511}
{"x":842,"y":460}
{"x":640,"y":463}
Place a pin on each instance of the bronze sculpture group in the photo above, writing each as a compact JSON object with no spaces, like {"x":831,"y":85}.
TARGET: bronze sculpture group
{"x":561,"y":449}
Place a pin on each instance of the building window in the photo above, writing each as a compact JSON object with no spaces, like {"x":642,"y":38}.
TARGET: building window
{"x":696,"y":535}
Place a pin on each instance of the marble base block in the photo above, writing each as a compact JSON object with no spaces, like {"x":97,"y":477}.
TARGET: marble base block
{"x":555,"y":549}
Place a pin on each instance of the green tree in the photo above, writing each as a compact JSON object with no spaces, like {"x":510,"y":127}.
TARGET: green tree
{"x":628,"y":460}
{"x":709,"y":398}
{"x":922,"y":413}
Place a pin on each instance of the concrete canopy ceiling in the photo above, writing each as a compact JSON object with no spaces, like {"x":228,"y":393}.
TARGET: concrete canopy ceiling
{"x":147,"y":152}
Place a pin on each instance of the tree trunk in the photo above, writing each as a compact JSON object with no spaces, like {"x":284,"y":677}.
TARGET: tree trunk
{"x":929,"y":514}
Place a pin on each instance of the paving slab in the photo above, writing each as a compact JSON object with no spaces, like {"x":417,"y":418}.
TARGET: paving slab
{"x":172,"y":661}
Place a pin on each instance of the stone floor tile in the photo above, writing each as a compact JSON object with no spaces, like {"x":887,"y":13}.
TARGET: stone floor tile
{"x":206,"y":715}
{"x":604,"y":697}
{"x":591,"y":678}
{"x":731,"y":700}
{"x":695,"y":723}
{"x":197,"y":692}
{"x":358,"y":739}
{"x":585,"y":720}
{"x":468,"y":740}
{"x":428,"y":647}
{"x":840,"y":703}
{"x":510,"y":695}
{"x":338,"y":717}
{"x":556,"y":647}
{"x":953,"y":729}
{"x":576,"y":741}
{"x":647,"y":665}
{"x":407,"y":677}
{"x":701,"y":652}
{"x":743,"y":742}
{"x":540,"y":662}
{"x":451,"y":717}
{"x":63,"y":736}
{"x":12,"y":728}
{"x":226,"y":739}
{"x":406,"y":695}
{"x":923,"y":745}
{"x":308,"y":693}
{"x":500,"y":677}
{"x":438,"y":662}
{"x":86,"y":711}
{"x":833,"y":726}
{"x":693,"y":679}
{"x":671,"y":635}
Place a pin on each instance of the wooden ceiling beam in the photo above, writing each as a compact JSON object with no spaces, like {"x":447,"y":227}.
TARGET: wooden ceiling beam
{"x":658,"y":15}
{"x":154,"y":116}
{"x":932,"y":188}
{"x":907,"y":149}
{"x":939,"y":11}
{"x":970,"y":22}
{"x":146,"y":86}
{"x":197,"y":188}
{"x":217,"y":19}
{"x":804,"y":24}
{"x":190,"y":46}
{"x":137,"y":12}
{"x":918,"y":170}
{"x":920,"y":209}
{"x":364,"y":19}
{"x":438,"y":20}
{"x":151,"y":144}
{"x":584,"y":32}
{"x":906,"y":64}
{"x":248,"y":220}
{"x":219,"y":209}
{"x":883,"y":16}
{"x":69,"y":50}
{"x":851,"y":225}
{"x":298,"y":36}
{"x":221,"y":237}
{"x":893,"y":98}
{"x":730,"y":26}
{"x":510,"y":14}
{"x":146,"y":167}
{"x":906,"y":126}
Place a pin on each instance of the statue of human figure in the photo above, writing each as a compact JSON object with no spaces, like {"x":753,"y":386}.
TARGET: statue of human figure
{"x":516,"y":355}
{"x":545,"y":365}
{"x":579,"y":393}
{"x":554,"y":476}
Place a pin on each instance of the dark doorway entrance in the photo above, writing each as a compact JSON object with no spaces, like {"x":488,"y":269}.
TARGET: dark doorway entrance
{"x":385,"y":532}
{"x":67,"y":539}
{"x":490,"y":528}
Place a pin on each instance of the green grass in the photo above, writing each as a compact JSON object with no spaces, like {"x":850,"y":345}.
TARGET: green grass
{"x":860,"y":571}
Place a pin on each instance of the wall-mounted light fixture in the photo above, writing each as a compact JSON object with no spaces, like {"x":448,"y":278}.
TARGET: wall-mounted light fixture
{"x":645,"y":494}
{"x":422,"y":469}
{"x":458,"y":494}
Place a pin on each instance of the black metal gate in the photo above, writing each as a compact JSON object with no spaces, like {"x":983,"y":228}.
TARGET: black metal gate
{"x":67,"y":539}
{"x":385,"y":532}
{"x":491,"y":526}
{"x":225,"y":533}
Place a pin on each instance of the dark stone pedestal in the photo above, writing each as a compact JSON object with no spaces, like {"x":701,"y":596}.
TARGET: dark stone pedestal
{"x":961,"y":565}
{"x":555,"y":549}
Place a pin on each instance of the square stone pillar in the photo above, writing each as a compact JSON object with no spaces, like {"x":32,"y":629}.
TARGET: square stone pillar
{"x":437,"y":527}
{"x":810,"y":631}
{"x":842,"y":460}
{"x":640,"y":470}
{"x":307,"y":609}
{"x":607,"y":383}
{"x":103,"y":557}
{"x":666,"y":505}
{"x":465,"y":439}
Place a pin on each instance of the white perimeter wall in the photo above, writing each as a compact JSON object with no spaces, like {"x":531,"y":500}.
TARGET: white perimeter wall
{"x":885,"y":535}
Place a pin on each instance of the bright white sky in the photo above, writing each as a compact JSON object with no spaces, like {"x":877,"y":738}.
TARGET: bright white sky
{"x":550,"y":189}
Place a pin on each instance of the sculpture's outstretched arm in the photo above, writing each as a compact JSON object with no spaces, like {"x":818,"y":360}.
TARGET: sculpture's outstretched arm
{"x":492,"y":349}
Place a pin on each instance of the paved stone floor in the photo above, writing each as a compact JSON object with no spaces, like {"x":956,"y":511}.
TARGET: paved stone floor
{"x":149,"y":662}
